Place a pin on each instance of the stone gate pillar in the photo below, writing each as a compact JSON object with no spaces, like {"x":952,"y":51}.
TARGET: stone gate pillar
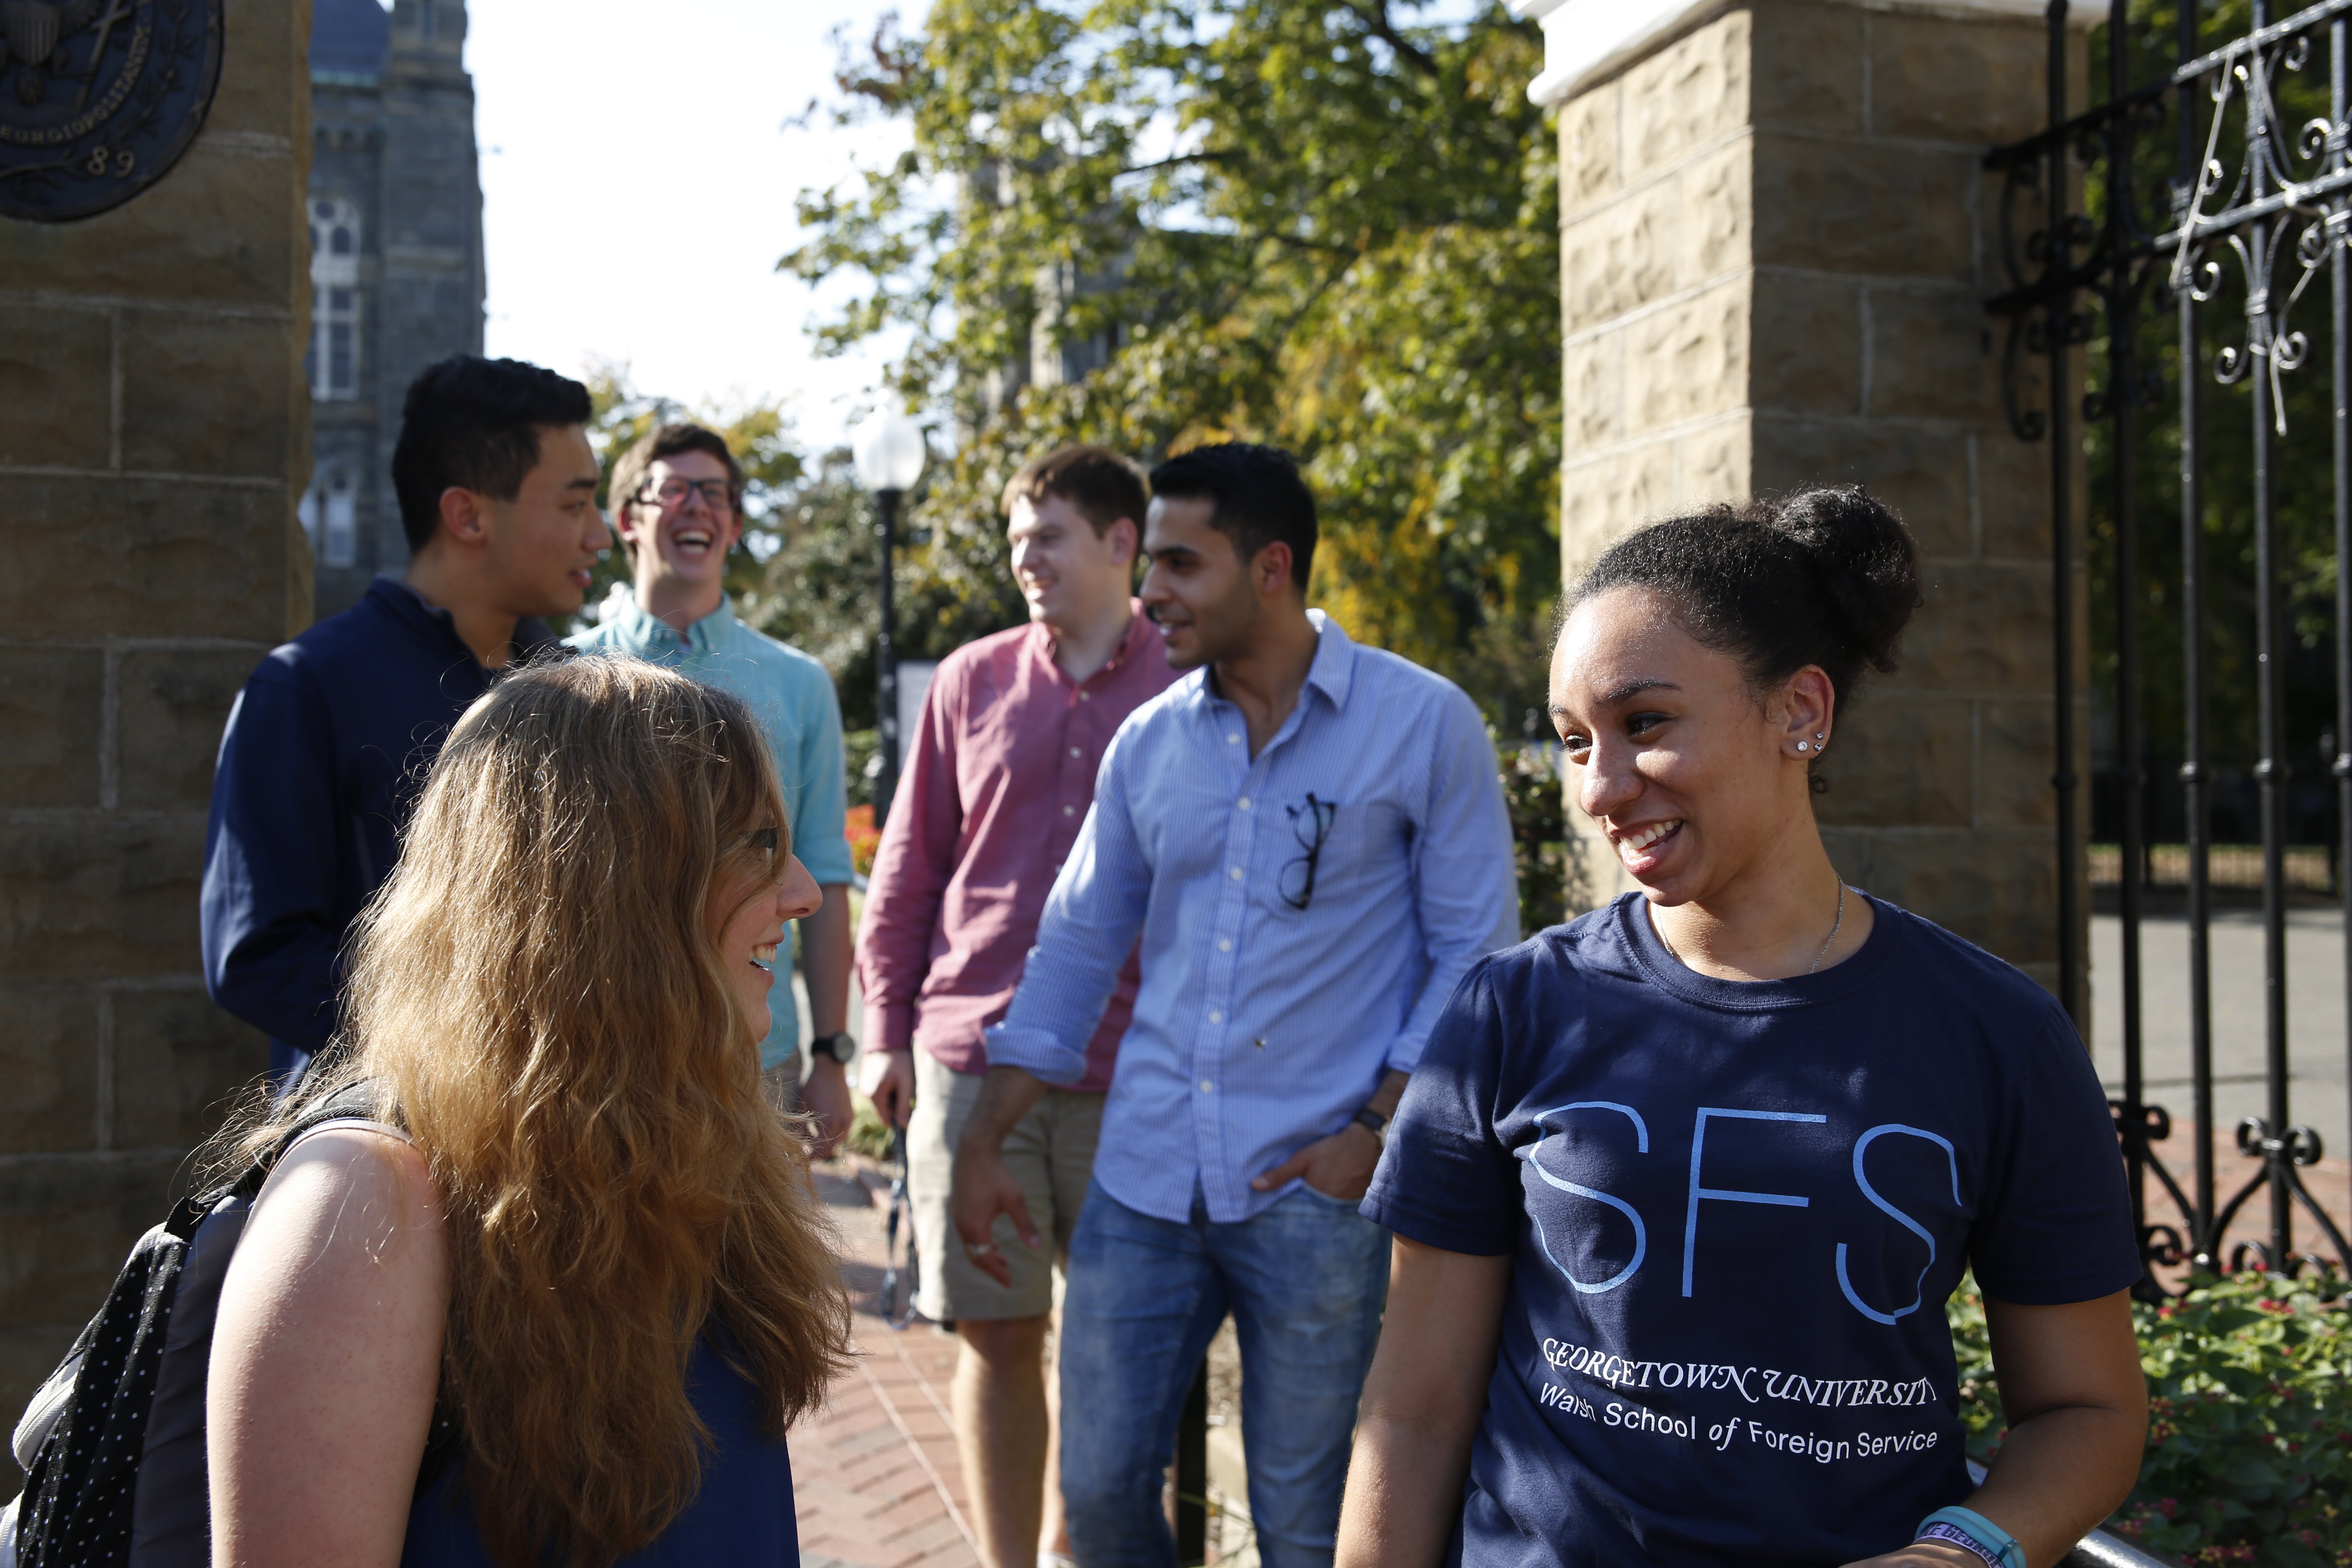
{"x":154,"y":440}
{"x":1776,"y":241}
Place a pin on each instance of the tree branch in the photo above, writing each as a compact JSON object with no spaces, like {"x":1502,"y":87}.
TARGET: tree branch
{"x":1180,"y":158}
{"x":1375,"y":17}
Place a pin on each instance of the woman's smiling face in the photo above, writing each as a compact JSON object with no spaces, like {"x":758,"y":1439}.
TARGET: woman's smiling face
{"x":750,"y":904}
{"x":1670,"y":750}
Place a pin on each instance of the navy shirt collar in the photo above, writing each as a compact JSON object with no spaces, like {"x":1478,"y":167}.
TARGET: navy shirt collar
{"x":438,"y":627}
{"x":1631,"y":913}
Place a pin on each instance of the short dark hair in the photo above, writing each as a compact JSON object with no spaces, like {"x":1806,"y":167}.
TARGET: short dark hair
{"x":629,"y":471}
{"x":474,"y":423}
{"x":1827,"y":577}
{"x":1259,"y":498}
{"x":1102,"y":485}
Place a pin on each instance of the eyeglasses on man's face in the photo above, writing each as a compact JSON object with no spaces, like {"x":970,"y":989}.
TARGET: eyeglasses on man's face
{"x":672,"y":494}
{"x":1310,"y":824}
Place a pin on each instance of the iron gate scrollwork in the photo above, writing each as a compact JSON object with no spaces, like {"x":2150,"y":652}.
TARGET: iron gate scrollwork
{"x":2259,"y":206}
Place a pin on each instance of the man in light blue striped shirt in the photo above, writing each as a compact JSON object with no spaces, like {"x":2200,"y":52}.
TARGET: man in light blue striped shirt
{"x":1310,"y":836}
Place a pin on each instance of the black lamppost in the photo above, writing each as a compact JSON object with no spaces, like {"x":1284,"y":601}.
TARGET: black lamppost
{"x":890,"y":452}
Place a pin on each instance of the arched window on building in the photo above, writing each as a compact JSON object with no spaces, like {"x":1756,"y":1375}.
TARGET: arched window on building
{"x":330,"y":513}
{"x":334,"y":359}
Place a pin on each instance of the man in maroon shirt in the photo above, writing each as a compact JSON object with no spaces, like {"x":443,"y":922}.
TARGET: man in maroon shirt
{"x":999,"y":776}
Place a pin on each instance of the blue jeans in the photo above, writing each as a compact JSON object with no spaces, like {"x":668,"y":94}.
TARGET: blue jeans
{"x":1305,"y":1281}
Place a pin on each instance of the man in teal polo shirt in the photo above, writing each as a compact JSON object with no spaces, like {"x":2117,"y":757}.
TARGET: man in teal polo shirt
{"x":677,"y":499}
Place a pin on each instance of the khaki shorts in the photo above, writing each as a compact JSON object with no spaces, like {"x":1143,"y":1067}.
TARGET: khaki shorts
{"x":1051,"y":1154}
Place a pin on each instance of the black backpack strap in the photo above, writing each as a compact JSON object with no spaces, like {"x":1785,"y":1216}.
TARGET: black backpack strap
{"x":362,"y":1100}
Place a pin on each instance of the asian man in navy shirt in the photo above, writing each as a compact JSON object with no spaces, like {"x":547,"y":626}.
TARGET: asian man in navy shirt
{"x":329,"y":743}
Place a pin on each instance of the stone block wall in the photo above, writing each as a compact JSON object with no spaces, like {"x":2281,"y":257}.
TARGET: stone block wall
{"x":154,"y":440}
{"x":1776,"y":237}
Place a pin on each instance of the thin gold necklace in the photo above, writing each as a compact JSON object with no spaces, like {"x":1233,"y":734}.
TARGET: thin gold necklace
{"x":1836,"y":926}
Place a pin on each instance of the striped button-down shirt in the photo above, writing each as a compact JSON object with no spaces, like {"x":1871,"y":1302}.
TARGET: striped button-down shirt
{"x":1262,"y":1026}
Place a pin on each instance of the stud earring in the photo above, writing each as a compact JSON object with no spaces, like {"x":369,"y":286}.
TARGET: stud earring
{"x":1803,"y":747}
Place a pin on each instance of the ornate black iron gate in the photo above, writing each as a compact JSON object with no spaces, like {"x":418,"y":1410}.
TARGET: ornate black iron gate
{"x":2101,"y":230}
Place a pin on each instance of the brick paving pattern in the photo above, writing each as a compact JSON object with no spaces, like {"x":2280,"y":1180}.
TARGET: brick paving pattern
{"x":874,"y":1475}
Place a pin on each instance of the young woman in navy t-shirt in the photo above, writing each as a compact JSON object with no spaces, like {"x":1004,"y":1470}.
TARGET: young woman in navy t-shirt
{"x":1680,"y":1189}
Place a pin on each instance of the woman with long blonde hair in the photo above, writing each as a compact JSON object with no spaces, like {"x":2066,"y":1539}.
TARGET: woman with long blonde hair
{"x":570,"y":1245}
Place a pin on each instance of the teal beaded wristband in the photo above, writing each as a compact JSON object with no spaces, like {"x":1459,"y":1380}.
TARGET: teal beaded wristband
{"x":1975,"y":1532}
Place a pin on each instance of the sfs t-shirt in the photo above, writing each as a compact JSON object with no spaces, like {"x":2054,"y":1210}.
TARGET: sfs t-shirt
{"x":1736,"y":1210}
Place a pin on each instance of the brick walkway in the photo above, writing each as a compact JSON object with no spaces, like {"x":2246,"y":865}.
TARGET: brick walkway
{"x":875,"y":1474}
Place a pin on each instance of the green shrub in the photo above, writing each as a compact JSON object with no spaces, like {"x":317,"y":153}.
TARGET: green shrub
{"x":2250,"y":1424}
{"x":861,"y":763}
{"x":868,"y":1134}
{"x":1541,"y":845}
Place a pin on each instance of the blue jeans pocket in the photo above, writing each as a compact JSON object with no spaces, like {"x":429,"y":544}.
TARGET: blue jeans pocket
{"x":1348,"y":1205}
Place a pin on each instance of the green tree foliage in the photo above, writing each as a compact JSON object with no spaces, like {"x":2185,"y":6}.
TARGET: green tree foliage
{"x":1331,"y":227}
{"x":819,"y":590}
{"x":2249,"y":1454}
{"x":1544,"y":849}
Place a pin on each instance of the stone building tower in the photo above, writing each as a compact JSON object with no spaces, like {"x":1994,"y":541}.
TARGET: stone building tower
{"x":396,"y":261}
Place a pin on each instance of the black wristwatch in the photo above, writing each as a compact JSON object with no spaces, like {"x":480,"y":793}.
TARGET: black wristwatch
{"x":840,"y":1048}
{"x":1373,"y":1122}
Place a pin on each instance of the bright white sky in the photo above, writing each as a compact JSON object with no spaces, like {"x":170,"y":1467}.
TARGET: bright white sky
{"x":638,"y":182}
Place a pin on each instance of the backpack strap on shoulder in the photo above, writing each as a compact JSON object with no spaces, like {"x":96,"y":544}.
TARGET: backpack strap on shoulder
{"x":189,"y":1213}
{"x":362,"y":1100}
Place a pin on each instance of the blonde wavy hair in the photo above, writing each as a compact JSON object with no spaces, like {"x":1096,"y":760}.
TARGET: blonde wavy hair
{"x":538,"y":993}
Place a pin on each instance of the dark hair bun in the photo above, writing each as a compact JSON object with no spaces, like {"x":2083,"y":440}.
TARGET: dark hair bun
{"x":1867,"y":562}
{"x":1827,"y":577}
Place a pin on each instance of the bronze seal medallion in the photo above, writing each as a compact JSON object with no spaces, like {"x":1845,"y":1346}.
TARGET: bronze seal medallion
{"x":99,"y":99}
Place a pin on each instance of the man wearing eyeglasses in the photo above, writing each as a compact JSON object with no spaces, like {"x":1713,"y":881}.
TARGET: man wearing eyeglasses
{"x":677,"y":499}
{"x":1309,"y":838}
